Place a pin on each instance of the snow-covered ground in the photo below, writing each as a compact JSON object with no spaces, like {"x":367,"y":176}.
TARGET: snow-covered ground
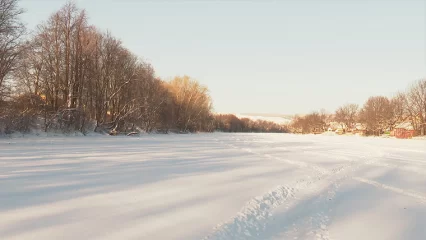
{"x":212,"y":186}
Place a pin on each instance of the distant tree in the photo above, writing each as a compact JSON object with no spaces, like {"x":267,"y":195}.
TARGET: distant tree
{"x":347,"y":114}
{"x":398,"y":111}
{"x":376,"y":113}
{"x":298,"y":124}
{"x":416,"y":105}
{"x":193,"y":103}
{"x":231,"y":123}
{"x":312,"y":123}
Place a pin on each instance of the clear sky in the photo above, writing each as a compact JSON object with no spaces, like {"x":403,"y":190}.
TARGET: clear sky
{"x":266,"y":56}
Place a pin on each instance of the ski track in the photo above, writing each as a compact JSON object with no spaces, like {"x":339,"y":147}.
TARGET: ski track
{"x":252,"y":220}
{"x":415,"y":195}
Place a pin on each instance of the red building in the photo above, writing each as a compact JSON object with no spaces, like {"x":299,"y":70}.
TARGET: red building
{"x":404,"y":130}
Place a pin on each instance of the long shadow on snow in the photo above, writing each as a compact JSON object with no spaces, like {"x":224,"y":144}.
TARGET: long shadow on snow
{"x":95,"y":179}
{"x":130,"y":215}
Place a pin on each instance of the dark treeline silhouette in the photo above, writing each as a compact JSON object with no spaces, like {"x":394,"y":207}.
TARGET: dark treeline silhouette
{"x":378,"y":115}
{"x":231,"y":123}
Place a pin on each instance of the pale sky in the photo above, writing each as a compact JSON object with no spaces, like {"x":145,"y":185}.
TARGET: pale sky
{"x":266,"y":56}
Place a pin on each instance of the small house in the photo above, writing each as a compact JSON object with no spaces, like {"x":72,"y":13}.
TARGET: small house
{"x":339,"y":131}
{"x":339,"y":128}
{"x":404,"y":130}
{"x":359,"y":129}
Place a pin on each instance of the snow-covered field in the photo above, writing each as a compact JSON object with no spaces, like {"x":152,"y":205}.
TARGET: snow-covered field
{"x":212,"y":186}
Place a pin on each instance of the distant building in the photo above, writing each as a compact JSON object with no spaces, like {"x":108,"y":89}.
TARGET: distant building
{"x":404,"y":130}
{"x":359,"y":129}
{"x":336,"y":127}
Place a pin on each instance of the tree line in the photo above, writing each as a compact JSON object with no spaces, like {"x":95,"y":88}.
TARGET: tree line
{"x":378,"y":115}
{"x":68,"y":75}
{"x":231,"y":123}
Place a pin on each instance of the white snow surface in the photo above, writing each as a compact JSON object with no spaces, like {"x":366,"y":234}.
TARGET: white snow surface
{"x":212,"y":186}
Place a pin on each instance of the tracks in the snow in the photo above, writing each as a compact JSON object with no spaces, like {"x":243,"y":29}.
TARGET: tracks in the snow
{"x":252,"y":219}
{"x":412,"y":194}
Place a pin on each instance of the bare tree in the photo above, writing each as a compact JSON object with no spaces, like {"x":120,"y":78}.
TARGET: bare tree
{"x":376,"y":114}
{"x":71,"y":72}
{"x":192,"y":100}
{"x":416,"y":105}
{"x":11,"y":32}
{"x":311,"y":123}
{"x":397,"y":108}
{"x":347,"y":115}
